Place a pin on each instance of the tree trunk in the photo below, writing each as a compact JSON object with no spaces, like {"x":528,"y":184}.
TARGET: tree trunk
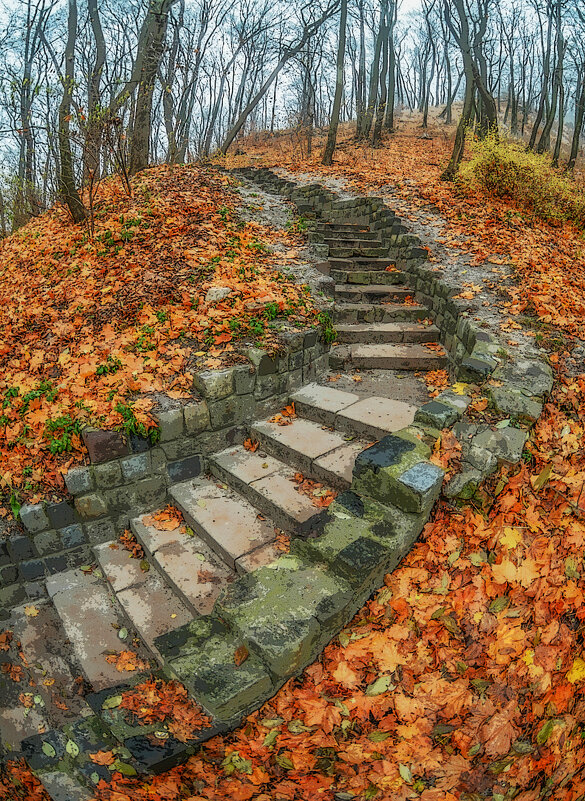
{"x":332,"y":135}
{"x":156,"y":29}
{"x":67,"y":187}
{"x":579,"y":117}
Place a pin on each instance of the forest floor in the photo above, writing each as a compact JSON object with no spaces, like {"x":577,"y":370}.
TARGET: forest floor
{"x":462,"y":679}
{"x":102,"y":327}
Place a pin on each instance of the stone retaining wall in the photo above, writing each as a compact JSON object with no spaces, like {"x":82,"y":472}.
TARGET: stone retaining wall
{"x":130,"y":475}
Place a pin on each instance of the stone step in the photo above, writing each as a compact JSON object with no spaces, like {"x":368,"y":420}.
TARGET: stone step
{"x":148,"y":600}
{"x":371,"y":293}
{"x":357,"y":231}
{"x":378,"y":333}
{"x":227,"y":523}
{"x":368,"y":418}
{"x":375,"y":313}
{"x":195,"y":573}
{"x":387,"y":357}
{"x":39,"y":648}
{"x":350,"y":242}
{"x":368,"y":276}
{"x":268,"y":484}
{"x":92,"y":619}
{"x":315,"y":450}
{"x":360,"y":263}
{"x":341,"y":252}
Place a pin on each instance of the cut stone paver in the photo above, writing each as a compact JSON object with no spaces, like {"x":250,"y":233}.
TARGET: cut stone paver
{"x":379,"y":333}
{"x":192,"y":569}
{"x":336,"y":468}
{"x":375,"y":417}
{"x":298,"y":443}
{"x":92,"y":619}
{"x":397,"y":357}
{"x":274,"y":494}
{"x":321,"y":404}
{"x":223,"y":519}
{"x":146,"y":597}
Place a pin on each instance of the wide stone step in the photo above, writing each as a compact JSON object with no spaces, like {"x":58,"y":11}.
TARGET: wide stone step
{"x":360,"y":263}
{"x":151,"y":604}
{"x":48,"y":672}
{"x":269,"y":485}
{"x":351,"y":242}
{"x":356,"y":231}
{"x":371,"y":293}
{"x":92,"y":619}
{"x":193,"y":570}
{"x":376,"y":313}
{"x":388,"y":357}
{"x":311,"y":447}
{"x":227,"y":523}
{"x":368,"y":276}
{"x":356,"y":253}
{"x":378,"y":333}
{"x":368,"y":418}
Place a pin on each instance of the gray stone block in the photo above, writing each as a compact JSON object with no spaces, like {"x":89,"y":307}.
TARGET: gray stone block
{"x":79,"y":480}
{"x":98,"y":531}
{"x":47,"y":542}
{"x":170,"y":424}
{"x":72,"y":536}
{"x":419,"y":487}
{"x":264,"y":364}
{"x":91,"y":506}
{"x":437,"y":414}
{"x":267,"y":385}
{"x":214,"y":384}
{"x":534,"y":378}
{"x":234,"y":410}
{"x":244,"y":379}
{"x":21,"y":548}
{"x":8,"y":575}
{"x":183,"y":469}
{"x":32,"y":569}
{"x":196,"y":417}
{"x":108,"y":474}
{"x":506,"y":444}
{"x":10,"y":597}
{"x":135,"y":467}
{"x":34,"y":517}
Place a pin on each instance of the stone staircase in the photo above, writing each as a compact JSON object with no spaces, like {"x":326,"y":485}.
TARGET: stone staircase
{"x":379,"y":324}
{"x":234,"y":517}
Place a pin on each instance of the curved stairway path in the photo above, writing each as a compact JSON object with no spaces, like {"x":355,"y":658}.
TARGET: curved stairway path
{"x":378,"y":323}
{"x":215,"y":603}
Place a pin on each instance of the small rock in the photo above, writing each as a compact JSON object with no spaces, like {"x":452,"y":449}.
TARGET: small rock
{"x":217,"y":293}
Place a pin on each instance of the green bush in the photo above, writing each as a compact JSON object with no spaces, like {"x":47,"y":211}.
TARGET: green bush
{"x":507,"y":170}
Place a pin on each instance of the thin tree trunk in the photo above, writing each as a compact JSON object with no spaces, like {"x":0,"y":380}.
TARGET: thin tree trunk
{"x":333,"y":125}
{"x":67,"y":187}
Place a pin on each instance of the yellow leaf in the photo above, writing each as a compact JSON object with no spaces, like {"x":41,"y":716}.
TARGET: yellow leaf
{"x":459,"y":388}
{"x":31,"y":611}
{"x":577,"y":671}
{"x":510,"y":538}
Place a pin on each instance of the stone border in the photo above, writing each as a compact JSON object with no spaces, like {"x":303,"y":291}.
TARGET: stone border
{"x":130,"y":475}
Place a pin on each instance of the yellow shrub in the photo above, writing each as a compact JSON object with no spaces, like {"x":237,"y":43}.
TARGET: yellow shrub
{"x":507,"y":170}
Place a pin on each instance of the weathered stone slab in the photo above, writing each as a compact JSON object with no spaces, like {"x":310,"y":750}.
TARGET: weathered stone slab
{"x":437,"y":414}
{"x":321,"y":404}
{"x":298,"y":443}
{"x":223,"y":519}
{"x":514,"y":402}
{"x":286,"y":612}
{"x":261,"y":557}
{"x":375,"y":417}
{"x":534,"y":378}
{"x":506,"y":444}
{"x":92,"y":620}
{"x":336,"y":468}
{"x":207,"y":659}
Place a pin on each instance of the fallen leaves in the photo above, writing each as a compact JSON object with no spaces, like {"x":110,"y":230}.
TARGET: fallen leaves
{"x":320,"y":496}
{"x":92,"y":330}
{"x":167,"y":519}
{"x":251,"y":445}
{"x":286,"y":416}
{"x":127,"y":661}
{"x":168,"y":703}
